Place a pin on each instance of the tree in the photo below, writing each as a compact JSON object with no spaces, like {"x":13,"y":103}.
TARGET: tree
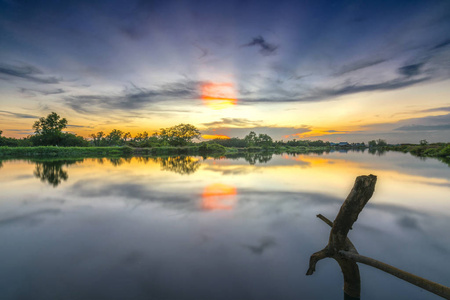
{"x":114,"y":138}
{"x":422,"y":142}
{"x":179,"y":135}
{"x":265,"y":140}
{"x":48,"y":131}
{"x":251,"y":139}
{"x":51,"y":125}
{"x":381,"y":143}
{"x":126,"y":136}
{"x":372,"y":144}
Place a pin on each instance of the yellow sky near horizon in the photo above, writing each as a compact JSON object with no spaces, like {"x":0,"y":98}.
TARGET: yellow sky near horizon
{"x":341,"y":115}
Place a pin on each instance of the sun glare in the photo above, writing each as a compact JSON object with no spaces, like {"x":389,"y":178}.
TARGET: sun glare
{"x":219,"y":95}
{"x":218,"y":196}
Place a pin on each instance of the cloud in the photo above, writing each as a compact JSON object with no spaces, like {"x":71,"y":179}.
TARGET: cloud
{"x":135,"y":97}
{"x":276,"y":133}
{"x":266,"y":48}
{"x":423,"y":127}
{"x":264,"y":244}
{"x":26,"y":72}
{"x":329,"y":94}
{"x":441,"y":45}
{"x":335,"y":131}
{"x":410,"y":70}
{"x":18,"y":115}
{"x":42,"y":92}
{"x":31,"y":218}
{"x":79,"y":126}
{"x":444,"y":108}
{"x":238,"y":122}
{"x":358,"y":65}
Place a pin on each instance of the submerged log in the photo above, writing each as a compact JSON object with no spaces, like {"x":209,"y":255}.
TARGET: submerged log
{"x":341,"y":249}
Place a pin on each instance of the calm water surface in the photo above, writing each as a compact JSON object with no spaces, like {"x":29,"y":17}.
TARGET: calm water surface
{"x":194,"y":228}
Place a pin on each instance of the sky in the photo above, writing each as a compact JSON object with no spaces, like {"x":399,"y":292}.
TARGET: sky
{"x":331,"y":70}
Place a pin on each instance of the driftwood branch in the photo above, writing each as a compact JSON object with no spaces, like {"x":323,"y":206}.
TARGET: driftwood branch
{"x":359,"y":195}
{"x":344,"y":252}
{"x":426,"y":284}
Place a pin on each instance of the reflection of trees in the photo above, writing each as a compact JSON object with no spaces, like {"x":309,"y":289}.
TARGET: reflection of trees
{"x":179,"y":164}
{"x":445,"y":160}
{"x":52,"y":171}
{"x":377,"y":151}
{"x":253,"y":158}
{"x":1,"y":164}
{"x":119,"y":161}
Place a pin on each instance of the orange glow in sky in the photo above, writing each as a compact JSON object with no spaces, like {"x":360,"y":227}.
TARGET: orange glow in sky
{"x":219,"y":95}
{"x":215,"y":136}
{"x":218,"y":196}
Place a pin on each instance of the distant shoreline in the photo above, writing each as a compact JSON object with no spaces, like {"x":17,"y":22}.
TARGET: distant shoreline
{"x":438,"y":150}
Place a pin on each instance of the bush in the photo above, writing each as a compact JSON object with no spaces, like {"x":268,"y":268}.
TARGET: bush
{"x":445,"y":151}
{"x":212,"y":148}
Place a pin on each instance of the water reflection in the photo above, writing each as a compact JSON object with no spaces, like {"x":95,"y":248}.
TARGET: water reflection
{"x":183,"y":165}
{"x":253,"y":158}
{"x":377,"y":151}
{"x":52,"y":172}
{"x":218,"y":196}
{"x":127,"y":229}
{"x":118,"y":161}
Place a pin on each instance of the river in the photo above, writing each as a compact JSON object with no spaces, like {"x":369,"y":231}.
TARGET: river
{"x":225,"y":228}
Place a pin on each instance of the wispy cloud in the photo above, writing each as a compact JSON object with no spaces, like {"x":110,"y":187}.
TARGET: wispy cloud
{"x":42,"y":92}
{"x":236,"y":122}
{"x":275,"y":132}
{"x":18,"y":115}
{"x":358,"y":65}
{"x":135,"y":97}
{"x":321,"y":94}
{"x":79,"y":126}
{"x":423,"y":127}
{"x":441,"y":45}
{"x":444,"y":108}
{"x":265,"y":48}
{"x":410,"y":70}
{"x":26,"y":72}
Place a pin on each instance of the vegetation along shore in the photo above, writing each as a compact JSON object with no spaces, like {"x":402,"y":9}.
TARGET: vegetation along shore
{"x":49,"y":140}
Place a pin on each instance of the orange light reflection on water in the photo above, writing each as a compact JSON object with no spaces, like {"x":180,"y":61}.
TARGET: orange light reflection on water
{"x":218,"y":196}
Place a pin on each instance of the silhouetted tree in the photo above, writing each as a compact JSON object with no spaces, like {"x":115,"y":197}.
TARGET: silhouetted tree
{"x":251,"y":139}
{"x":48,"y":131}
{"x":381,"y":143}
{"x":114,"y":138}
{"x":264,"y":140}
{"x":372,"y":144}
{"x":179,"y":135}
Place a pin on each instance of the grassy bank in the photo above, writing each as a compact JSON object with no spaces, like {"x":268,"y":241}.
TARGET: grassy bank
{"x":439,"y":150}
{"x":52,"y":151}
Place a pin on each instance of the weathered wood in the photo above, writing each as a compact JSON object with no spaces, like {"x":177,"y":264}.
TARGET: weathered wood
{"x":359,"y":195}
{"x":426,"y":284}
{"x":361,"y":192}
{"x":341,"y":249}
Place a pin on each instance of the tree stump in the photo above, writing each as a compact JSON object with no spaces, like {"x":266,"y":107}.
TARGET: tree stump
{"x":341,"y":249}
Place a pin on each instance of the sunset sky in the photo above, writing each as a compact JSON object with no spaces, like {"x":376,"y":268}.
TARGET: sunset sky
{"x":332,"y":70}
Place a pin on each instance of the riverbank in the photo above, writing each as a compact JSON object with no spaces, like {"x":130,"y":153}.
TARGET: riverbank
{"x":438,"y":150}
{"x":203,"y":149}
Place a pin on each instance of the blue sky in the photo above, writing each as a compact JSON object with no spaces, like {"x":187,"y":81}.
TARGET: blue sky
{"x":331,"y":70}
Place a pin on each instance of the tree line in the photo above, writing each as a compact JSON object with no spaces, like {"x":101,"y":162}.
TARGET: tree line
{"x":48,"y":131}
